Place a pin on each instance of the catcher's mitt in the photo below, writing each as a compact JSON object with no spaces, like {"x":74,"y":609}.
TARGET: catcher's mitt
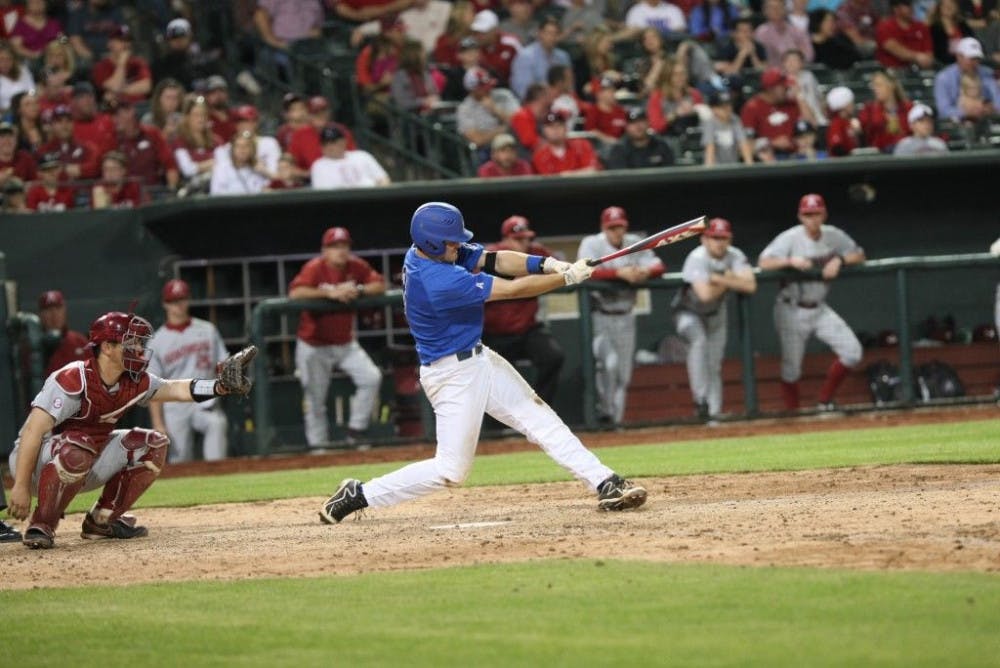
{"x":231,"y":372}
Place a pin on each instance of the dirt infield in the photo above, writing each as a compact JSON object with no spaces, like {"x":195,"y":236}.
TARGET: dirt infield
{"x":941,"y":518}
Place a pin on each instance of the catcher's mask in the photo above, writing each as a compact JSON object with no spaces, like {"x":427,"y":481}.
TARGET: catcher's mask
{"x":132,"y":332}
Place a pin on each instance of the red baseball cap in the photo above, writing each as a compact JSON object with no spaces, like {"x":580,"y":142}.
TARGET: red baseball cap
{"x":317,"y":103}
{"x":336,"y":235}
{"x":176,"y":290}
{"x":812,"y":203}
{"x":613,"y":216}
{"x":517,"y":227}
{"x":772,"y":77}
{"x":719,"y":228}
{"x":245,"y":112}
{"x":50,"y":298}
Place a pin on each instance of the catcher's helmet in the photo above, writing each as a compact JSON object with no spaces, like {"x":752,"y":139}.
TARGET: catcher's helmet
{"x":128,"y":329}
{"x":434,"y":223}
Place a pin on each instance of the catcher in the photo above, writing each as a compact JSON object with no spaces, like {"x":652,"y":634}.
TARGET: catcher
{"x":69,"y":443}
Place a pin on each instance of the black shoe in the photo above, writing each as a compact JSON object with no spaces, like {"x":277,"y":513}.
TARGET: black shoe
{"x":38,"y":538}
{"x":616,"y":493}
{"x":123,"y":527}
{"x":8,"y":534}
{"x":348,"y":498}
{"x":701,"y":410}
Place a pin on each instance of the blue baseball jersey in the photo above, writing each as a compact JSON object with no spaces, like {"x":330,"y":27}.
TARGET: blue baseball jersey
{"x":444,"y":302}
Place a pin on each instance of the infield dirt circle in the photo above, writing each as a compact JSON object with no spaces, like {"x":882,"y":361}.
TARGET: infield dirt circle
{"x":927,"y":517}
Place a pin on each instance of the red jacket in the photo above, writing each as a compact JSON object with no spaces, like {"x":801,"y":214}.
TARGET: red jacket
{"x":525,"y":127}
{"x":491,"y":169}
{"x":577,"y":154}
{"x":99,"y":131}
{"x":328,"y":328}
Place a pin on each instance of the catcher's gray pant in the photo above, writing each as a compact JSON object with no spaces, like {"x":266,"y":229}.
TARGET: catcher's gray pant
{"x":183,"y":418}
{"x":796,"y":324}
{"x":706,"y":337}
{"x":314,"y":365}
{"x":614,"y":353}
{"x":113,"y":458}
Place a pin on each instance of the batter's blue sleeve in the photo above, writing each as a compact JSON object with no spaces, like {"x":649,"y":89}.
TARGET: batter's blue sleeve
{"x":468,"y":256}
{"x":461,"y":290}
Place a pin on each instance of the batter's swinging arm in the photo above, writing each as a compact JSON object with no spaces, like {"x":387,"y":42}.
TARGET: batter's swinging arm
{"x":668,"y":236}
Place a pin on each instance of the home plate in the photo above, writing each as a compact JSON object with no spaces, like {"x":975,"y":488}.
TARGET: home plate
{"x":470,"y":525}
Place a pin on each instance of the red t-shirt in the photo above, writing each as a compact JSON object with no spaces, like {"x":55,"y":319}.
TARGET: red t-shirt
{"x":64,"y":96}
{"x":149,"y":156}
{"x":79,"y":153}
{"x":498,"y":56}
{"x":840,"y":140}
{"x":330,"y":328}
{"x":306,"y":147}
{"x":764,"y":119}
{"x":23,"y":164}
{"x":223,"y":124}
{"x":577,"y":154}
{"x":525,"y":127}
{"x":136,"y":69}
{"x":883,"y":130}
{"x":513,"y":316}
{"x":99,"y":131}
{"x":72,"y":347}
{"x":609,"y":122}
{"x":40,"y":198}
{"x":491,"y":169}
{"x":916,"y":37}
{"x":128,"y":196}
{"x":446,"y":51}
{"x":284,"y":134}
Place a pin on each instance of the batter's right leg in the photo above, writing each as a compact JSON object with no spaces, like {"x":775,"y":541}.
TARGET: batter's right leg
{"x":314,"y":364}
{"x":691,"y":328}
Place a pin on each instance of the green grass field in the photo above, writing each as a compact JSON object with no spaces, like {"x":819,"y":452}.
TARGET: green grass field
{"x":551,"y":613}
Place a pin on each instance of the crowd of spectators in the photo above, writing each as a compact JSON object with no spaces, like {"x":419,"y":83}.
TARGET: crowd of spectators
{"x":91,"y":119}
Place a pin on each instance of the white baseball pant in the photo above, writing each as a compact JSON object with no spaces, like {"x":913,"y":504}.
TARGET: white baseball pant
{"x":314,"y":365}
{"x":460,"y":392}
{"x":614,"y":354}
{"x":796,"y":324}
{"x":183,"y":418}
{"x":706,"y":337}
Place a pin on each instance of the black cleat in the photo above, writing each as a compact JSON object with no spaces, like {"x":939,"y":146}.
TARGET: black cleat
{"x":123,"y":528}
{"x":616,"y":493}
{"x":348,"y":498}
{"x":38,"y":538}
{"x":9,"y":534}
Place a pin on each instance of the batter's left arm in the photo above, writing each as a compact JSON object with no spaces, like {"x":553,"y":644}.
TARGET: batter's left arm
{"x":514,"y":263}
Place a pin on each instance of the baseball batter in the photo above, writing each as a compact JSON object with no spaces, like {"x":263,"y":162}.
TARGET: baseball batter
{"x":69,"y":442}
{"x":326,"y":339}
{"x":800,"y":309}
{"x":710,"y":272}
{"x":446,"y":282}
{"x":186,"y":347}
{"x":614,"y":321}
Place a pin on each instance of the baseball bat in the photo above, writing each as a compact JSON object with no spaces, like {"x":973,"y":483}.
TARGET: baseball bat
{"x":670,"y":235}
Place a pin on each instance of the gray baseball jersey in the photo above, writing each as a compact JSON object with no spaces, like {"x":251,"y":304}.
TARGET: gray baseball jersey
{"x":619,"y":299}
{"x":698,"y":267}
{"x":795,"y":242}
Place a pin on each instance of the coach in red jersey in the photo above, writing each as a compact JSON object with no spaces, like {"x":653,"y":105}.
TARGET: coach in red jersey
{"x":512,"y":328}
{"x":69,"y":442}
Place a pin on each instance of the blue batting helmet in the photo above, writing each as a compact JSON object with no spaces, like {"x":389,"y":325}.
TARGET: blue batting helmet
{"x":434,"y":223}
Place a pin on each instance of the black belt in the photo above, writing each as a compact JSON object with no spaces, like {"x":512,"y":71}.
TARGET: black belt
{"x":802,"y":304}
{"x":462,"y":355}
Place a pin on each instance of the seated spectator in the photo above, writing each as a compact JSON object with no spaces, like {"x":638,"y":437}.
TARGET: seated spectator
{"x":116,"y":190}
{"x":122,"y":75}
{"x":425,"y":21}
{"x":59,"y":63}
{"x":287,"y":177}
{"x":947,"y":29}
{"x":48,"y":194}
{"x":26,"y":114}
{"x":649,"y":66}
{"x":89,"y":125}
{"x":805,"y":143}
{"x":581,"y":20}
{"x":979,"y":14}
{"x":856,"y":20}
{"x":831,"y":47}
{"x":13,"y":160}
{"x":236,"y":171}
{"x":498,"y":49}
{"x":769,"y":117}
{"x":639,"y":148}
{"x":562,"y":89}
{"x":533,"y":63}
{"x":220,"y":115}
{"x":921,"y":140}
{"x":14,"y":199}
{"x":305,"y":143}
{"x":524,"y":122}
{"x":479,"y":118}
{"x":606,"y":118}
{"x":777,"y":35}
{"x":182,"y":60}
{"x":469,"y":56}
{"x":359,"y":11}
{"x":504,"y":160}
{"x":559,"y":154}
{"x":722,"y":134}
{"x":34,"y":30}
{"x":165,"y":108}
{"x":844,"y":132}
{"x":671,"y":105}
{"x":267,"y":148}
{"x":659,"y":14}
{"x":195,"y":145}
{"x":377,"y":63}
{"x":741,"y":52}
{"x":902,"y":40}
{"x":79,"y":159}
{"x":89,"y":25}
{"x":710,"y":20}
{"x":802,"y":86}
{"x":295,"y":114}
{"x":413,"y":88}
{"x":947,"y":83}
{"x":148,"y":155}
{"x":342,"y":168}
{"x":283,"y":23}
{"x":15,"y":77}
{"x":521,"y":21}
{"x":599,"y":49}
{"x":60,"y":344}
{"x":883,"y":119}
{"x":54,"y":92}
{"x":458,"y":28}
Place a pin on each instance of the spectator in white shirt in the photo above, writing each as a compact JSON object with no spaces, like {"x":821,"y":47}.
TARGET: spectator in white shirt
{"x":425,"y":21}
{"x":340,"y":168}
{"x":235,"y":171}
{"x":268,"y":149}
{"x":663,"y":16}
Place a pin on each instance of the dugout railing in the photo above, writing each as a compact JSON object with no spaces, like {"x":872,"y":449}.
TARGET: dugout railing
{"x":900,"y":270}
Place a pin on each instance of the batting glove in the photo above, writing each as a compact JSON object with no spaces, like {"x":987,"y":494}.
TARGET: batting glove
{"x":578,"y":272}
{"x":550,"y":265}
